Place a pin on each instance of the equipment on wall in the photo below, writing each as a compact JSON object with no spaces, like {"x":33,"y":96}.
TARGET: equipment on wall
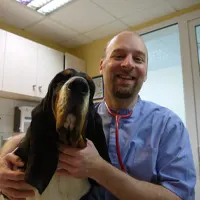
{"x":22,"y":118}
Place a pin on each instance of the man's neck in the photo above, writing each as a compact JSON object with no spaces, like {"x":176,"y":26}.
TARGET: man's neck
{"x":119,"y":104}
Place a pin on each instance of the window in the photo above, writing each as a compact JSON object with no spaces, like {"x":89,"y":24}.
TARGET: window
{"x":164,"y":84}
{"x":198,"y":40}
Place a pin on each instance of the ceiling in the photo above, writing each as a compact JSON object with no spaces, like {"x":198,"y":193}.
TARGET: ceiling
{"x":83,"y":21}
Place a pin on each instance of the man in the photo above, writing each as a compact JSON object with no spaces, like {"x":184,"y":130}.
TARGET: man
{"x":153,"y":146}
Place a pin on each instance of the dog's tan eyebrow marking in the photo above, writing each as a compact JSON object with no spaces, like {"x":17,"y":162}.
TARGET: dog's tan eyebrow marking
{"x":88,"y":78}
{"x":67,"y":72}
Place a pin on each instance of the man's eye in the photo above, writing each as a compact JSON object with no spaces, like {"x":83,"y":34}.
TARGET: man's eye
{"x":139,"y":59}
{"x":118,"y":57}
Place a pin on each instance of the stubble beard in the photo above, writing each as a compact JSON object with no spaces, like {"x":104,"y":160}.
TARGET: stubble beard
{"x":126,"y":92}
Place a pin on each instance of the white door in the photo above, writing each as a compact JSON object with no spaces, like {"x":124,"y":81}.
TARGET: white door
{"x":50,"y":62}
{"x":20,"y":65}
{"x":194,"y":34}
{"x":2,"y":51}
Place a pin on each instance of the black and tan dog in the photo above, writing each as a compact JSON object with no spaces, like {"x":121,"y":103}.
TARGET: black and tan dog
{"x":65,"y":115}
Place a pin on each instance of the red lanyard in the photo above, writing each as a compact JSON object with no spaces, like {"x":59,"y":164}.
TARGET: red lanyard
{"x":117,"y":118}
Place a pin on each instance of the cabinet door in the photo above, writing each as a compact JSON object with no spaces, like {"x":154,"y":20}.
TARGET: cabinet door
{"x":2,"y":52}
{"x":74,"y":62}
{"x":50,"y":62}
{"x":20,"y":65}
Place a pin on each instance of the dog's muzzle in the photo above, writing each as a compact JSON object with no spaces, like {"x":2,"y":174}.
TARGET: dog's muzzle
{"x":71,"y":108}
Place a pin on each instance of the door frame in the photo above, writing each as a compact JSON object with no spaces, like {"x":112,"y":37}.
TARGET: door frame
{"x":190,"y":83}
{"x":195,"y":63}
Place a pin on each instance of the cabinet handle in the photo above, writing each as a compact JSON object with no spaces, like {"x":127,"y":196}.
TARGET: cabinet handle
{"x":40,"y":88}
{"x":34,"y":87}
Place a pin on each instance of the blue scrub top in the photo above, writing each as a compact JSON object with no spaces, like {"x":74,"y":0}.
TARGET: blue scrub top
{"x":155,"y":147}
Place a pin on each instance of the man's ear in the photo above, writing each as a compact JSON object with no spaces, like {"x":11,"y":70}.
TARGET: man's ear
{"x":101,"y":66}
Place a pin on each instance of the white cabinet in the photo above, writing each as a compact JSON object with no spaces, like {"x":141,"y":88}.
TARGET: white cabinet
{"x":28,"y":66}
{"x":74,"y":62}
{"x":20,"y":65}
{"x":50,"y":62}
{"x":2,"y":52}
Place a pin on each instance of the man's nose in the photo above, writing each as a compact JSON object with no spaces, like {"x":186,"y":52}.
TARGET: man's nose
{"x":128,"y":62}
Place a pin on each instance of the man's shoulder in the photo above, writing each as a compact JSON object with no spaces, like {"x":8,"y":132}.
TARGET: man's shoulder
{"x":159,"y":111}
{"x":152,"y":106}
{"x":151,"y":110}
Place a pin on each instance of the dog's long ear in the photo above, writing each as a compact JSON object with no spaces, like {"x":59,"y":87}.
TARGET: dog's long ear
{"x":39,"y":149}
{"x":43,"y":159}
{"x":94,"y":128}
{"x":95,"y":133}
{"x":46,"y":102}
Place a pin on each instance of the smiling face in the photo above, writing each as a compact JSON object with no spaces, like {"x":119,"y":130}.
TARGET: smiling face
{"x":124,"y":66}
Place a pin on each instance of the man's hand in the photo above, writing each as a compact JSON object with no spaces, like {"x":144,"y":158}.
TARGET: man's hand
{"x":78,"y":162}
{"x":12,"y":183}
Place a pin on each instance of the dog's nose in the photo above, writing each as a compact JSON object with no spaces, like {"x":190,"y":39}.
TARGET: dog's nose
{"x":79,"y":85}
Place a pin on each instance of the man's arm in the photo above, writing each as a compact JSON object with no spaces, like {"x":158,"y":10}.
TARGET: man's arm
{"x":88,"y":163}
{"x":12,"y":183}
{"x":126,"y":187}
{"x":11,"y":144}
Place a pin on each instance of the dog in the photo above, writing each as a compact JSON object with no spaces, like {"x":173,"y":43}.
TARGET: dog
{"x":65,"y":115}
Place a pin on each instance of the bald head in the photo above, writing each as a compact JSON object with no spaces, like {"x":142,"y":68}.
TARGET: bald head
{"x":124,"y":34}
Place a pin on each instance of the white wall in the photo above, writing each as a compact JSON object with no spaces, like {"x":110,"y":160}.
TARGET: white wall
{"x":7,"y":115}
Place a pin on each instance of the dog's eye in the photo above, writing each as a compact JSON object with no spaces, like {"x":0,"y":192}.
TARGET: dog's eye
{"x":61,"y":83}
{"x":67,"y":72}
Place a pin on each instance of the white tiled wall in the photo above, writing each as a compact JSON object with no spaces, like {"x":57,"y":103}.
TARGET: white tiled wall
{"x":7,"y":115}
